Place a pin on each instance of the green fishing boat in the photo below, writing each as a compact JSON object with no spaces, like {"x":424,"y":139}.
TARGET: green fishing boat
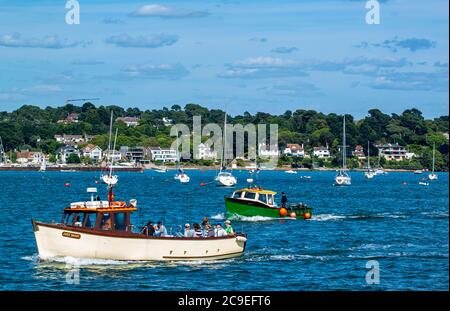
{"x":259,"y":202}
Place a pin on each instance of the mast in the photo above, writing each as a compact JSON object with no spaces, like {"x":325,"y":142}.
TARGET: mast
{"x":344,"y":143}
{"x":110,"y":133}
{"x":222,"y":160}
{"x":434,"y":150}
{"x":2,"y":151}
{"x":368,"y":155}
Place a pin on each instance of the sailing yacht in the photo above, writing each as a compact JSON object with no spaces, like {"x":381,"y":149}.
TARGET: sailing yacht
{"x":342,"y":178}
{"x":108,"y":178}
{"x":370,"y":172}
{"x":433,"y":175}
{"x":379,"y":170}
{"x":224,"y":178}
{"x":43,"y":167}
{"x":181,"y":176}
{"x":2,"y":153}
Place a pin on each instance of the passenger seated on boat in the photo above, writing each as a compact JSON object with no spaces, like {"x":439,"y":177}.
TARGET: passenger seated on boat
{"x":209,"y":231}
{"x":188,"y":232}
{"x":219,"y":231}
{"x":198,"y":232}
{"x":77,"y":222}
{"x":228,"y":229}
{"x":148,"y":229}
{"x":283,"y":199}
{"x":160,"y":229}
{"x":106,"y":222}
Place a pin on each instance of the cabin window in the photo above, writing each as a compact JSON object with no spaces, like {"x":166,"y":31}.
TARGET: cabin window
{"x":263,"y":198}
{"x":270,"y":199}
{"x":105,"y":222}
{"x":120,"y":221}
{"x":237,"y":195}
{"x":69,"y":219}
{"x":89,"y":220}
{"x":250,"y":195}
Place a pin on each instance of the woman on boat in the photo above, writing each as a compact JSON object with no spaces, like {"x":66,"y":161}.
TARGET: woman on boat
{"x":198,"y":232}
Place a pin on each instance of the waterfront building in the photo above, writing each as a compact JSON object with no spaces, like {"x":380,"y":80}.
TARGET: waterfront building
{"x":268,"y":151}
{"x":133,"y":154}
{"x":321,"y":152}
{"x":394,"y":152}
{"x":162,"y":154}
{"x":93,"y":152}
{"x":359,"y":152}
{"x":65,"y":152}
{"x":206,"y":153}
{"x":295,"y":150}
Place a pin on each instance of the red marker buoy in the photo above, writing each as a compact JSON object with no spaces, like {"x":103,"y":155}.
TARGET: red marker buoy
{"x":405,"y":183}
{"x":202,"y":184}
{"x":67,"y":184}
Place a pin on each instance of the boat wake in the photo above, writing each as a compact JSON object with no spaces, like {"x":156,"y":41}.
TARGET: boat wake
{"x":72,"y":261}
{"x":253,"y":218}
{"x":331,"y":217}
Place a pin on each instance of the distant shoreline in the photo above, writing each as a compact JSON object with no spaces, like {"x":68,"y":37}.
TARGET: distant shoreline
{"x":170,"y":168}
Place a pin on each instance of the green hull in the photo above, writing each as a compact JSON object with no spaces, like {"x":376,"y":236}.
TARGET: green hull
{"x":250,"y":209}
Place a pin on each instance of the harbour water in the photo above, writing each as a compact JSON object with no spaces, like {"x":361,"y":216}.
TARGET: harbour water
{"x":403,"y":227}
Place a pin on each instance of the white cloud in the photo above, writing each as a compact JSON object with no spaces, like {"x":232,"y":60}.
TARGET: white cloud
{"x":152,"y":41}
{"x":161,"y":11}
{"x":155,"y":71}
{"x":49,"y":42}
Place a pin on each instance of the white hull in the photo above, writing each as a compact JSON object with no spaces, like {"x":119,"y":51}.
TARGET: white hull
{"x":369,"y":175}
{"x":226,"y":181}
{"x":432,"y":176}
{"x":61,"y":242}
{"x":182,"y":178}
{"x":342,"y":181}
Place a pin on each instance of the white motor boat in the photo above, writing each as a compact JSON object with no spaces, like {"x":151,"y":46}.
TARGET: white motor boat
{"x":342,"y":178}
{"x":182,"y":177}
{"x":418,"y":172}
{"x":290,"y":172}
{"x":226,"y":179}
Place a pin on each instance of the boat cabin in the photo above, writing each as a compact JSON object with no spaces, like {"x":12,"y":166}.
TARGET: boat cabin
{"x":99,"y":215}
{"x":266,"y":197}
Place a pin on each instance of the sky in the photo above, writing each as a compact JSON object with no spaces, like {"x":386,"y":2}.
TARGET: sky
{"x":254,"y":55}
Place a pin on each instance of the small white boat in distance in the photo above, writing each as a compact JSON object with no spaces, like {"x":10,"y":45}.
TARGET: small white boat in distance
{"x":160,"y":169}
{"x":43,"y":167}
{"x":226,"y":179}
{"x":342,"y":178}
{"x":182,"y":177}
{"x":370,"y":173}
{"x":417,"y":172}
{"x":433,"y":175}
{"x":291,"y":172}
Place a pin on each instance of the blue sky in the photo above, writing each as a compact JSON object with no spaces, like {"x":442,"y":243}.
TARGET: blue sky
{"x":269,"y":56}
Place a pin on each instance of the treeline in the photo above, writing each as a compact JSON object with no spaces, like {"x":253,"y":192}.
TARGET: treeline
{"x":31,"y":127}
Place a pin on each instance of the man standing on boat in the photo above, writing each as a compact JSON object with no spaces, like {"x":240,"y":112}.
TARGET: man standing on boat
{"x":283,"y":199}
{"x":160,"y":229}
{"x":228,"y":229}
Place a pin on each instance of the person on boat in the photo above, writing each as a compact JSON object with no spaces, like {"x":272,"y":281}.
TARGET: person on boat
{"x":209,"y":231}
{"x":228,"y":228}
{"x":97,"y":198}
{"x":219,"y":231}
{"x":148,"y":229}
{"x":77,"y":222}
{"x":205,"y":221}
{"x":160,"y":229}
{"x":283,"y":199}
{"x":188,"y":232}
{"x":107,"y":224}
{"x":198,"y":232}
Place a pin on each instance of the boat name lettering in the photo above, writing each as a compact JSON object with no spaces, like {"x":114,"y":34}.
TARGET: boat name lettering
{"x":71,"y":235}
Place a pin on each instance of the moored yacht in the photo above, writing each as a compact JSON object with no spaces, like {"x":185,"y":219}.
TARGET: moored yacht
{"x":433,"y":175}
{"x":342,"y":177}
{"x":224,"y":178}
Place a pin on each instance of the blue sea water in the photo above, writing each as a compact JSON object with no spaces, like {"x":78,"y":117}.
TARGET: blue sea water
{"x":403,"y":227}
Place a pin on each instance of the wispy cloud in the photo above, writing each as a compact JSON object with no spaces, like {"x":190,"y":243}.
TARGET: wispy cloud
{"x":11,"y":97}
{"x":412,"y":44}
{"x":49,"y":42}
{"x":162,"y":11}
{"x":299,"y":89}
{"x":152,"y":41}
{"x":112,"y":20}
{"x":258,"y":39}
{"x":285,"y":49}
{"x":263,"y":67}
{"x":87,"y":62}
{"x":154,"y":71}
{"x":41,"y":89}
{"x":412,"y":81}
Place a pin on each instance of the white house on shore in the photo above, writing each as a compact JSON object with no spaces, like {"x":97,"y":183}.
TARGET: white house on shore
{"x":65,"y":152}
{"x":295,"y":150}
{"x":93,"y":152}
{"x":394,"y":152}
{"x":321,"y":152}
{"x":206,"y":153}
{"x":162,"y":154}
{"x":268,"y":151}
{"x":129,"y":121}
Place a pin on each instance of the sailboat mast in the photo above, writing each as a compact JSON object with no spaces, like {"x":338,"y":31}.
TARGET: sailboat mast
{"x":368,"y":155}
{"x":344,"y":143}
{"x":222,"y":161}
{"x":434,"y":150}
{"x":110,"y":133}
